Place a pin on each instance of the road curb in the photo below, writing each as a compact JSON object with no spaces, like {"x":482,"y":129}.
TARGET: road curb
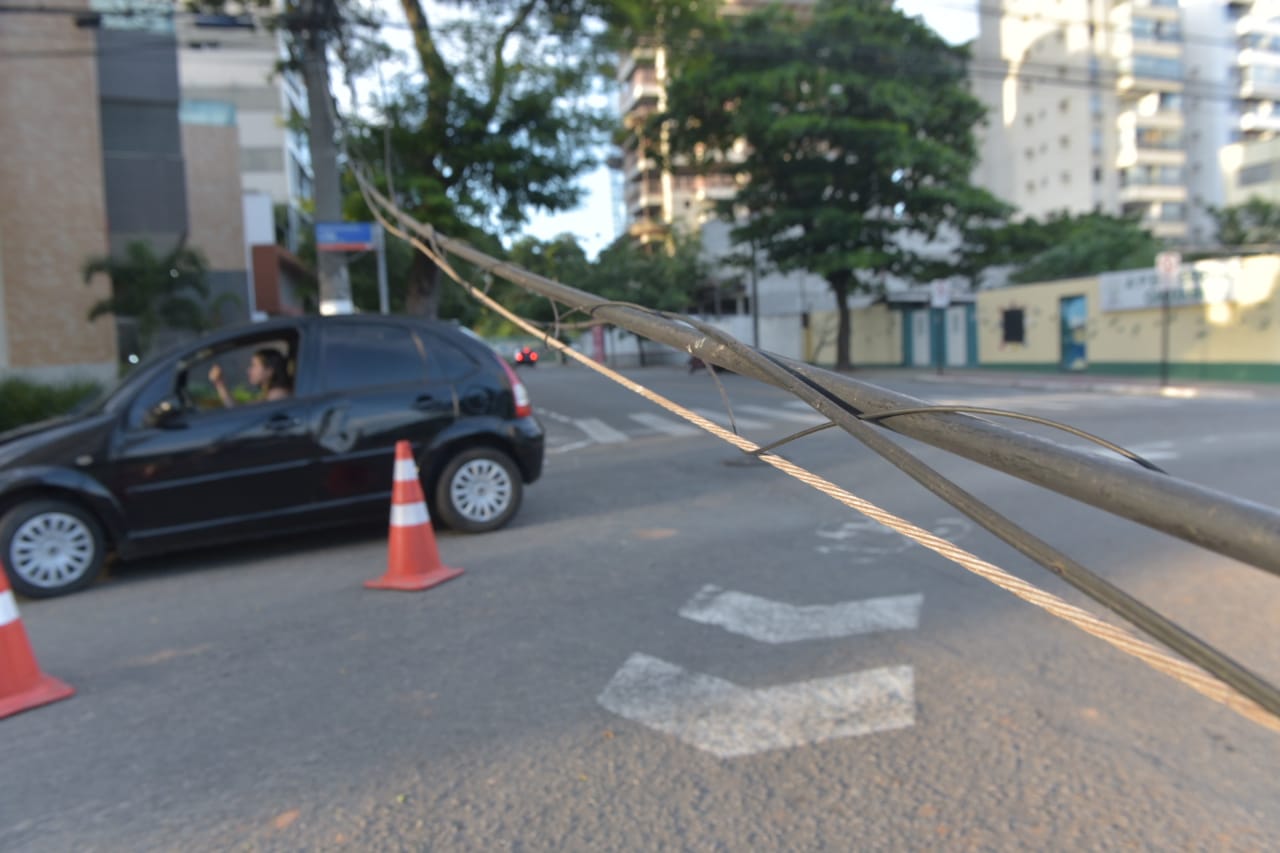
{"x":1114,"y":388}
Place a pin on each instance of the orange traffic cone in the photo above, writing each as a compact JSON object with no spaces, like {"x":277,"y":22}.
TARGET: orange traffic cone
{"x":413,"y":563}
{"x":22,"y":685}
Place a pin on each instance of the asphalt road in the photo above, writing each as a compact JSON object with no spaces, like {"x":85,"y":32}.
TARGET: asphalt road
{"x":669,"y":650}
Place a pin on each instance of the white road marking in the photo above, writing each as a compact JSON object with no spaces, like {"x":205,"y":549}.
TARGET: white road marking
{"x":868,"y":541}
{"x":1155,"y":451}
{"x":721,"y":417}
{"x":565,"y":448}
{"x":777,"y":622}
{"x":780,"y":413}
{"x":729,"y":721}
{"x":664,"y":425}
{"x":599,"y":431}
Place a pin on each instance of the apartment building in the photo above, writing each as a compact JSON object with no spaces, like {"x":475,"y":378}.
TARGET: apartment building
{"x":1156,"y":108}
{"x":1087,"y":108}
{"x":1248,"y":54}
{"x":234,"y":59}
{"x":657,"y":199}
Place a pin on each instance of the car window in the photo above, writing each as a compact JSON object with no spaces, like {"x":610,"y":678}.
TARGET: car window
{"x":233,"y":364}
{"x":446,"y":362}
{"x":363,"y":356}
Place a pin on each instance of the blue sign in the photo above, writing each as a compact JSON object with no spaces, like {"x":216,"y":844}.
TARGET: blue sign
{"x":345,"y":236}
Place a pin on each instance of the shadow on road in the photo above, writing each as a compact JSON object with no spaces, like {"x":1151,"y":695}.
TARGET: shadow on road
{"x":234,"y":556}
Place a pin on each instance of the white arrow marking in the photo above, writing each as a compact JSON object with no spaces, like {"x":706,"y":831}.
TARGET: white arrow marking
{"x":776,"y":622}
{"x":724,"y":719}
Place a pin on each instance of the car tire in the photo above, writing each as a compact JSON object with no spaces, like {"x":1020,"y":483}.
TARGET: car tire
{"x":478,"y":490}
{"x":51,"y":548}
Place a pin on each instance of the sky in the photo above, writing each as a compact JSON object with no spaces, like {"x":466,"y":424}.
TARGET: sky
{"x":593,"y":221}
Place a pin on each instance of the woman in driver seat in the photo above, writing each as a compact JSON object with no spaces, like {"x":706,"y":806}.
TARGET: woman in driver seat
{"x":268,"y":372}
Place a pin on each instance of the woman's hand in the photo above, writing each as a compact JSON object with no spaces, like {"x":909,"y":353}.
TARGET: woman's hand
{"x":215,"y":374}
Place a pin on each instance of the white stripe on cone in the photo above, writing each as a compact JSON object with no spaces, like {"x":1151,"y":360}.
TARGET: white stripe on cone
{"x":409,"y":515}
{"x":406,"y":471}
{"x":8,"y":608}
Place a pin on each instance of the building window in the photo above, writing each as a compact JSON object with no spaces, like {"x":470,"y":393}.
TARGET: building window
{"x":1097,"y":174}
{"x":1258,"y":173}
{"x":1013,"y":326}
{"x":1155,"y":67}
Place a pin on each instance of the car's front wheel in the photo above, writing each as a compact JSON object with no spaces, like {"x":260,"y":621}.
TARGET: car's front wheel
{"x":51,"y":547}
{"x":479,"y":490}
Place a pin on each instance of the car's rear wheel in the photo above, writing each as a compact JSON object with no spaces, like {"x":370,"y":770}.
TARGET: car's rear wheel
{"x":479,"y":490}
{"x":50,"y":548}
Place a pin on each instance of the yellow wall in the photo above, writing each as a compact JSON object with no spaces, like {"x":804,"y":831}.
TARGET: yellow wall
{"x":1040,"y":305}
{"x":876,"y":334}
{"x":1245,"y":331}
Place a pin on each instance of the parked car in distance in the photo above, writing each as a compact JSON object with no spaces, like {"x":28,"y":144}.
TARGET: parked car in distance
{"x":526,"y":357}
{"x":162,"y":463}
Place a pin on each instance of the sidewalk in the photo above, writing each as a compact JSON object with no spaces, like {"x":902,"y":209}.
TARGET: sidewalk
{"x":1146,"y":386}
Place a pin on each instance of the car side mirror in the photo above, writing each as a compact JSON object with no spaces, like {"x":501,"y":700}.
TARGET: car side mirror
{"x":167,"y":414}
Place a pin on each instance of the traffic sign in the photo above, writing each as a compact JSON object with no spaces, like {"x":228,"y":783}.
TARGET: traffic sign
{"x":345,"y":236}
{"x":1168,"y":264}
{"x":940,"y":294}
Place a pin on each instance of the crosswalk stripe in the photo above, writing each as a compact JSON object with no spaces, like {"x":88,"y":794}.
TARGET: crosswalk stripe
{"x":809,"y":416}
{"x":664,"y":425}
{"x":598,"y":430}
{"x":722,"y":418}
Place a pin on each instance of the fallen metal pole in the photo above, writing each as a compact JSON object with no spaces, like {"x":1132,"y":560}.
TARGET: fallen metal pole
{"x":1236,"y":528}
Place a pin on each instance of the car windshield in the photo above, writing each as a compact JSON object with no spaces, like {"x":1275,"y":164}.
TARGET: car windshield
{"x":98,"y":402}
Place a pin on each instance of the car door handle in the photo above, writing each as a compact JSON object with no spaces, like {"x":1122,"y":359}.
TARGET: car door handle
{"x":281,"y":422}
{"x":424,"y":401}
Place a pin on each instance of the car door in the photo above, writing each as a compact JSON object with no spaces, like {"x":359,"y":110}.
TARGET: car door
{"x":377,"y":391}
{"x":220,"y":470}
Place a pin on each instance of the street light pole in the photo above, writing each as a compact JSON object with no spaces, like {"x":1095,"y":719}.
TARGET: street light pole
{"x":1164,"y":338}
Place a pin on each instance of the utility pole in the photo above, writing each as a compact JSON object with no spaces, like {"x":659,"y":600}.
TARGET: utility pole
{"x":319,"y":19}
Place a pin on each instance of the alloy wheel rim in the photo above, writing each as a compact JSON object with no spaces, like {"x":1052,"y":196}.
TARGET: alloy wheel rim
{"x":481,"y":490}
{"x":51,"y":550}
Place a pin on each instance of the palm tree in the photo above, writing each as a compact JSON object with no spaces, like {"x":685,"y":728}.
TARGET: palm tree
{"x":155,"y":291}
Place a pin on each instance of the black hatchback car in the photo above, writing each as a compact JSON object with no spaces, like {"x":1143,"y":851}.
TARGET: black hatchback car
{"x":182,"y":454}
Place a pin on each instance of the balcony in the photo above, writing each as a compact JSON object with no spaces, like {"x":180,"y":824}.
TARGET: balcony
{"x":1254,"y":122}
{"x":637,"y":94}
{"x":1163,"y":120}
{"x":643,"y":194}
{"x":647,"y":230}
{"x":1135,"y":194}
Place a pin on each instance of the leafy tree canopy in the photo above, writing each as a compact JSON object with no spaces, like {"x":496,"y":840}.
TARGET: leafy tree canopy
{"x":858,"y":130}
{"x":1256,"y":222}
{"x":155,"y":290}
{"x":1065,"y":246}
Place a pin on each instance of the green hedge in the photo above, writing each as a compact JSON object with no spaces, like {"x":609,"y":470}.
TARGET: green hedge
{"x":24,"y":402}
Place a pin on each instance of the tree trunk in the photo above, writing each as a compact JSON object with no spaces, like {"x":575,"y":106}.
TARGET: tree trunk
{"x":840,"y":287}
{"x":423,"y":296}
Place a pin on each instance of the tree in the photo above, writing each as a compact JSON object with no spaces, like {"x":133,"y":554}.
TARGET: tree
{"x":1067,"y":246}
{"x":859,"y":138}
{"x":500,"y":126}
{"x":1256,"y":222}
{"x":662,"y":276}
{"x":156,"y":291}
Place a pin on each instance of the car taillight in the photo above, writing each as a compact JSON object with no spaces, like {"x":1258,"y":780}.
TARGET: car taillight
{"x":533,"y":356}
{"x":524,"y":406}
